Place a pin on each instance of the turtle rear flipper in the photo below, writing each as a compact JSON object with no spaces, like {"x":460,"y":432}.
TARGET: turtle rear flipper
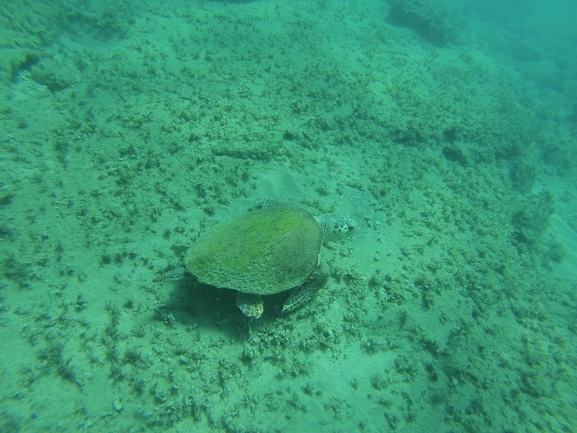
{"x":173,"y":274}
{"x":251,"y":305}
{"x":309,"y":288}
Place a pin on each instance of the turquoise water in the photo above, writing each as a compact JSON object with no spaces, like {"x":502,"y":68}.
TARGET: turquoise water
{"x":447,"y":130}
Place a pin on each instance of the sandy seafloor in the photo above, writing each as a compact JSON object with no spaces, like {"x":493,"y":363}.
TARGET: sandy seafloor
{"x":129,"y":128}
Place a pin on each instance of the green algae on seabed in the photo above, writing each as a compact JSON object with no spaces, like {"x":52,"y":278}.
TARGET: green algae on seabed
{"x":129,"y":128}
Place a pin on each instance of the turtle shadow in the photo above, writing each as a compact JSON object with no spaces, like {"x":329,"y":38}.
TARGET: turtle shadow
{"x":191,"y":303}
{"x":195,"y":304}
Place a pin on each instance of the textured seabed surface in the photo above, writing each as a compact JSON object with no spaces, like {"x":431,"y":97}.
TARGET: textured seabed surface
{"x":447,"y":130}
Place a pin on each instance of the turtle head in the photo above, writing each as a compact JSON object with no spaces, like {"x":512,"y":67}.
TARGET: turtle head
{"x":336,"y":227}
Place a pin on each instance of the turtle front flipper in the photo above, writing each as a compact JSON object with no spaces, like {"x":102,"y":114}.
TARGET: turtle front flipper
{"x":251,"y":305}
{"x":309,"y":288}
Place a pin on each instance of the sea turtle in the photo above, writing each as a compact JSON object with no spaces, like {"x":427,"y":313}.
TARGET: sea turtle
{"x":267,"y":251}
